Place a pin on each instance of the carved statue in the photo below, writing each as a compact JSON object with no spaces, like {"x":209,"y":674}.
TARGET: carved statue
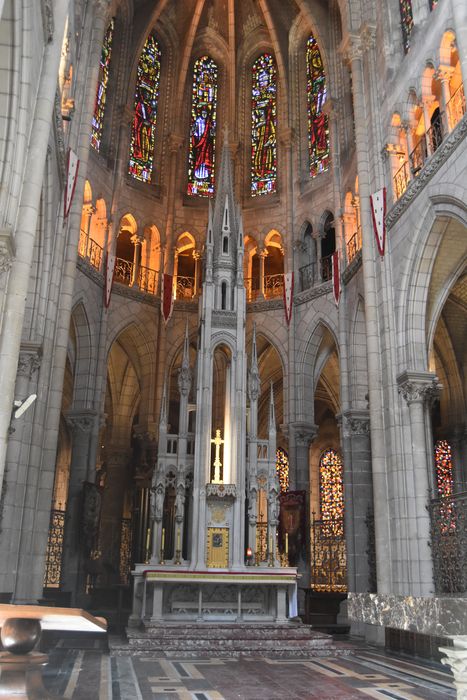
{"x":157,"y":501}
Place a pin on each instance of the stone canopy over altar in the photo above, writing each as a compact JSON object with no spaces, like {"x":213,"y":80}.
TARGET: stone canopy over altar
{"x":207,"y":557}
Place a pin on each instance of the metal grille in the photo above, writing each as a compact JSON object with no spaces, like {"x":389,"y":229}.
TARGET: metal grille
{"x":126,"y":539}
{"x":53,"y":560}
{"x":354,"y":245}
{"x":328,"y":556}
{"x":448,"y":518}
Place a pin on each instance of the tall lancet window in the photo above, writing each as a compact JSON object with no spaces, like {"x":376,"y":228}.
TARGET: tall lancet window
{"x":144,"y":119}
{"x":101,"y":94}
{"x":331,"y":493}
{"x":443,"y":464}
{"x":405,"y":7}
{"x":318,"y":122}
{"x":202,"y":152}
{"x":263,"y":126}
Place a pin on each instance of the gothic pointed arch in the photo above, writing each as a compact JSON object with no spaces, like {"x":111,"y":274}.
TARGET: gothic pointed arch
{"x":202,"y":149}
{"x":145,"y":111}
{"x":264,"y":126}
{"x":318,"y":121}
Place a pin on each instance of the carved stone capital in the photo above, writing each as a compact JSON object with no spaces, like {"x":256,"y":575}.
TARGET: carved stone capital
{"x":304,"y":433}
{"x":355,"y":423}
{"x":30,"y":357}
{"x":7,"y":250}
{"x":81,"y":421}
{"x":418,"y":387}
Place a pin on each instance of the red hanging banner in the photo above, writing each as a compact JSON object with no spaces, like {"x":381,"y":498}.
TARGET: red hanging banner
{"x":336,"y":278}
{"x":288,"y":295}
{"x":378,"y":213}
{"x":70,"y":184}
{"x":167,"y":300}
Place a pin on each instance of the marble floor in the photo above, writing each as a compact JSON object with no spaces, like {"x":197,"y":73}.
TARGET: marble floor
{"x":91,"y":673}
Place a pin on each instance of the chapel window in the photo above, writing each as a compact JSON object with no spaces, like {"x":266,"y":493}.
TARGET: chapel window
{"x":331,"y":492}
{"x":405,"y":7}
{"x":263,"y":126}
{"x":201,"y":155}
{"x":145,"y":111}
{"x":101,"y":94}
{"x":443,"y":466}
{"x":318,"y":122}
{"x":282,"y":468}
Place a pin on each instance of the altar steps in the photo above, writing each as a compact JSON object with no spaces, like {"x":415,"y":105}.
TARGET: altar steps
{"x":177,"y":640}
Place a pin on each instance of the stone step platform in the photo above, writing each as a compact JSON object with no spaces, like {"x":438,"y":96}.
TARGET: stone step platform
{"x":178,"y":640}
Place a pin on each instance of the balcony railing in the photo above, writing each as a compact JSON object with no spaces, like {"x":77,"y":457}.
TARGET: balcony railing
{"x":90,"y":250}
{"x":148,"y":279}
{"x":354,"y":245}
{"x":307,"y":276}
{"x":430,"y":141}
{"x":184,"y":287}
{"x":326,"y":268}
{"x":123,"y":272}
{"x":448,"y":518}
{"x":252,"y":288}
{"x":273,"y":286}
{"x":456,"y":107}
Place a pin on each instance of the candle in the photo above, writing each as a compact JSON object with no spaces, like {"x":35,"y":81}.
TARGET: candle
{"x":163,"y":540}
{"x":286,"y":542}
{"x":270,"y":545}
{"x":148,"y":539}
{"x":178,"y":540}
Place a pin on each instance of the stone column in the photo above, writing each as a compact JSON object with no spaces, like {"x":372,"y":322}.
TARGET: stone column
{"x":262,"y":255}
{"x":426,"y":104}
{"x":301,"y":435}
{"x":137,"y":242}
{"x":444,"y":75}
{"x":81,"y":424}
{"x":197,"y":258}
{"x":358,"y":500}
{"x":26,"y":223}
{"x":417,"y":388}
{"x":459,"y":9}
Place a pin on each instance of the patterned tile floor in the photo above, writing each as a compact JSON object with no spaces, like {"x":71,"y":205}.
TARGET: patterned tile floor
{"x":90,"y":673}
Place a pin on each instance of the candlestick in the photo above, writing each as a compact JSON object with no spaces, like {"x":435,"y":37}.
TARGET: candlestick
{"x":162,"y":546}
{"x":286,"y":542}
{"x":148,"y":542}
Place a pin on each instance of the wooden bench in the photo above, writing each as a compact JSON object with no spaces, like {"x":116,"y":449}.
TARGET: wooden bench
{"x":22,"y":625}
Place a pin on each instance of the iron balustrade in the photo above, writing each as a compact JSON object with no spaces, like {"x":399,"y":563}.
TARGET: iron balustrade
{"x":95,"y":254}
{"x":434,"y":134}
{"x":273,"y":286}
{"x":456,"y":107}
{"x":448,"y":541}
{"x":252,"y":288}
{"x":53,"y":556}
{"x":326,"y":268}
{"x":328,"y":556}
{"x":184,"y":287}
{"x":354,"y":245}
{"x":418,"y":157}
{"x":401,"y":179}
{"x":307,"y":275}
{"x":123,"y":271}
{"x":148,"y":279}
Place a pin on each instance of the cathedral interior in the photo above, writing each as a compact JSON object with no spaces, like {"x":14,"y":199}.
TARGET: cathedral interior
{"x":193,"y":277}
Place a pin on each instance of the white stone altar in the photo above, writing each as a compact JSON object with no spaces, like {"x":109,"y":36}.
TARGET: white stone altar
{"x":212,"y":545}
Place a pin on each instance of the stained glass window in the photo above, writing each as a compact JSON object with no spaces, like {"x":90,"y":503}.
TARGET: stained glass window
{"x":318,"y":122}
{"x":405,"y":7}
{"x":101,"y":94}
{"x":263,"y":126}
{"x":144,"y":119}
{"x":443,"y":463}
{"x":203,"y":128}
{"x":282,"y":467}
{"x":331,"y":491}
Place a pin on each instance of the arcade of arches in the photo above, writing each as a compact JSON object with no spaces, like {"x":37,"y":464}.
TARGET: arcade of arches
{"x":317,"y":105}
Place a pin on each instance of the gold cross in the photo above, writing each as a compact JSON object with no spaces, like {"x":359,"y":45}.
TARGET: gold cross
{"x":217,"y":441}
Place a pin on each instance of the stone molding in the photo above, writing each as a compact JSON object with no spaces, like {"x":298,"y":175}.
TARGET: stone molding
{"x":433,"y":164}
{"x":221,"y":491}
{"x":81,"y":421}
{"x":355,"y":423}
{"x":30,"y":358}
{"x":7,"y":250}
{"x":303,"y":433}
{"x":418,"y":387}
{"x":221,"y":319}
{"x":318,"y":290}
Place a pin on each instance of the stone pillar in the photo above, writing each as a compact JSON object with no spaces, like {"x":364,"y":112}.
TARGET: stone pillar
{"x":426,"y":104}
{"x":137,"y":242}
{"x":417,"y":388}
{"x":301,"y":435}
{"x":358,"y":500}
{"x":117,"y":459}
{"x":444,"y":75}
{"x":262,"y":256}
{"x":459,"y":9}
{"x":26,"y":223}
{"x":197,"y":258}
{"x":81,"y":424}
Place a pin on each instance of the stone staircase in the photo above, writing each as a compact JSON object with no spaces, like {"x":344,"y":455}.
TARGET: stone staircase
{"x":206,"y":639}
